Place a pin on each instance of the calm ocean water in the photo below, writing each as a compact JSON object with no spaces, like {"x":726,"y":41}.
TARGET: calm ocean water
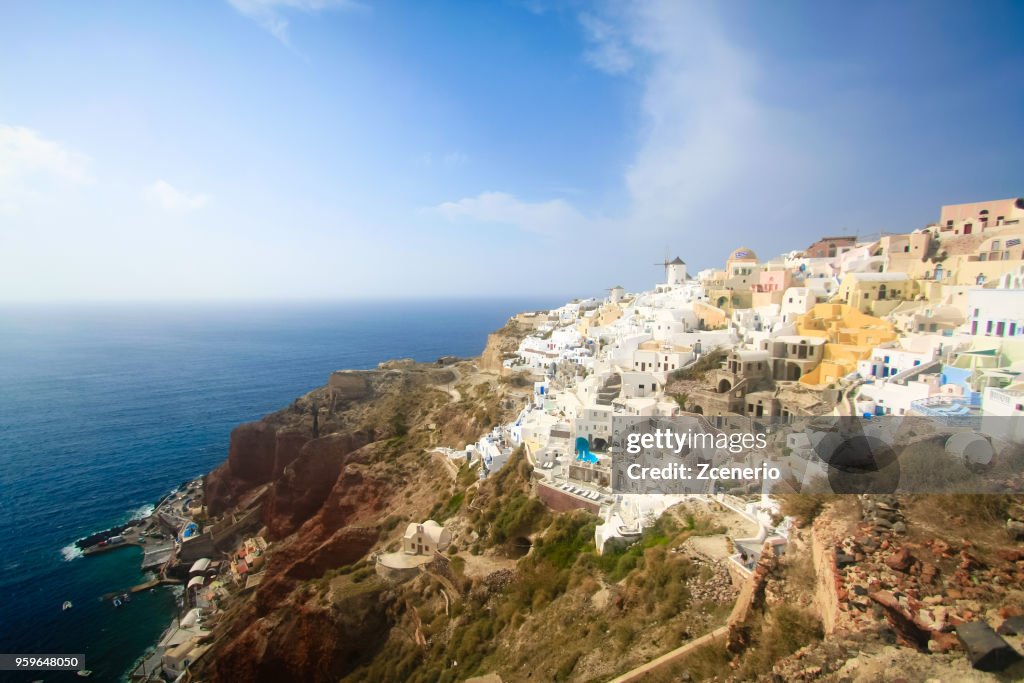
{"x":104,"y":409}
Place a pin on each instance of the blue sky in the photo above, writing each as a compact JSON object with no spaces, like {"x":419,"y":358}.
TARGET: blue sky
{"x":254,"y":149}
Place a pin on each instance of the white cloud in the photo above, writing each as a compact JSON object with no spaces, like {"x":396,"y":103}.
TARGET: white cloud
{"x":271,"y":14}
{"x":716,"y":164}
{"x":609,"y":51}
{"x":32,"y":166}
{"x":499,"y":208}
{"x":170,"y":198}
{"x":710,"y":146}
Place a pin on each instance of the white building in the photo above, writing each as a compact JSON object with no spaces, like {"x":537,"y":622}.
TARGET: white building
{"x":996,"y":312}
{"x":662,"y":357}
{"x":886,"y":361}
{"x":675,"y":272}
{"x":639,"y":385}
{"x":595,"y":424}
{"x":796,"y":301}
{"x":425,"y":538}
{"x":888,"y":398}
{"x":1000,"y":404}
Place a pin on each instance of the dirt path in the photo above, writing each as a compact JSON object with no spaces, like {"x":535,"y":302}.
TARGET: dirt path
{"x":479,"y":566}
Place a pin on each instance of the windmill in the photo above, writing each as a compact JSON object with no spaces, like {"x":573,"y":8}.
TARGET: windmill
{"x":675,"y":270}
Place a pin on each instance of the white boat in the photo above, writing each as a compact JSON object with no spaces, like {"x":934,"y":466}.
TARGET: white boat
{"x":66,"y":606}
{"x":84,"y":673}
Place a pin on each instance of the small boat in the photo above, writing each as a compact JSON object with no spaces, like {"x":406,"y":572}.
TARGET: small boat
{"x":66,"y":606}
{"x":126,"y":598}
{"x":84,"y":673}
{"x":117,"y":602}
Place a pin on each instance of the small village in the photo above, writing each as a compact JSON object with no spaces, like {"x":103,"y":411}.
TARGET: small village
{"x":928,"y":324}
{"x":205,"y":561}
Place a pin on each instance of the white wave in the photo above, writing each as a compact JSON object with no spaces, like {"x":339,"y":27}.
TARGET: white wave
{"x":141,"y":512}
{"x":70,"y":552}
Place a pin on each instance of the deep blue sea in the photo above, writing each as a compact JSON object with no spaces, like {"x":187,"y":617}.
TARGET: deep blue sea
{"x":105,"y":408}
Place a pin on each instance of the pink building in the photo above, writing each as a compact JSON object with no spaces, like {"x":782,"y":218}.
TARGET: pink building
{"x":774,"y":281}
{"x":770,"y":287}
{"x":965,"y":219}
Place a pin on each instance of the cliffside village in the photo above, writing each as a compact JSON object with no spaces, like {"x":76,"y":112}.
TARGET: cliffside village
{"x":928,"y":323}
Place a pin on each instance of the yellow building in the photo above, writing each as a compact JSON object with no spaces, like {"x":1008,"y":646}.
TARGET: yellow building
{"x":710,"y":317}
{"x":732,"y":288}
{"x":992,"y":258}
{"x":876,"y":293}
{"x":850,"y":336}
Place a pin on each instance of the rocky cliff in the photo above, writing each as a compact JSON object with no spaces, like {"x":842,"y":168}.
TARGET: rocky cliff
{"x":503,"y":343}
{"x":346,"y":466}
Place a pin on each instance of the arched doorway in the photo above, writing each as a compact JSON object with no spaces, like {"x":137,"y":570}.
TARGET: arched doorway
{"x":724,"y":386}
{"x":793,"y":372}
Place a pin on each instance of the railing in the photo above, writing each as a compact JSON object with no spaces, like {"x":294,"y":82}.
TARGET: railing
{"x":902,"y":377}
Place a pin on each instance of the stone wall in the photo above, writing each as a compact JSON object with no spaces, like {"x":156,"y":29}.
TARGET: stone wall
{"x":751,"y":596}
{"x":826,"y":581}
{"x":349,"y":385}
{"x":560,"y":501}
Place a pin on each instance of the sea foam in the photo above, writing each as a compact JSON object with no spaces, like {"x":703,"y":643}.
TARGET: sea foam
{"x":70,"y":552}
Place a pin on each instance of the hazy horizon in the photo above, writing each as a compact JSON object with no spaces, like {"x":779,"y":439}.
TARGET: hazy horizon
{"x":340,"y":150}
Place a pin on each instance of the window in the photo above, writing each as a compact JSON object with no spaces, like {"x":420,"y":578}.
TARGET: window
{"x":1013,"y":329}
{"x":988,"y":328}
{"x":995,"y":245}
{"x":1000,"y":328}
